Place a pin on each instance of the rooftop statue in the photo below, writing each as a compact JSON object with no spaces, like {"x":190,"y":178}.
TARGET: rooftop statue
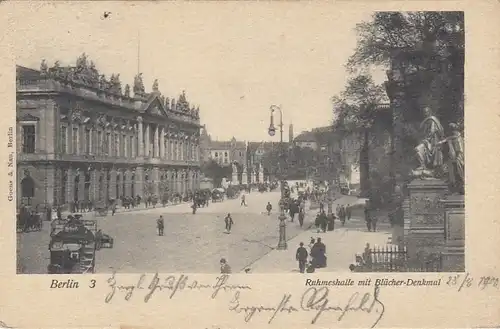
{"x":155,"y":85}
{"x":173,"y":106}
{"x":115,"y":85}
{"x":167,"y":104}
{"x":81,"y":62}
{"x":103,"y":84}
{"x":197,"y":112}
{"x":138,"y":85}
{"x":429,"y":153}
{"x":43,"y":67}
{"x":127,"y":91}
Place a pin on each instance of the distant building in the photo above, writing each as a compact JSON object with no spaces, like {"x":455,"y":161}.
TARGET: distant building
{"x":81,"y":138}
{"x":225,"y":153}
{"x":306,"y":139}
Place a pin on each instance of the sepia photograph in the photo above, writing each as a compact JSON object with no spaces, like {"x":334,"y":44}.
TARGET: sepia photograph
{"x":249,"y":164}
{"x":352,"y":161}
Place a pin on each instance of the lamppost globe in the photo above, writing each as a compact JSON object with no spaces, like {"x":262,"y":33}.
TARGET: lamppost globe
{"x":272,"y":131}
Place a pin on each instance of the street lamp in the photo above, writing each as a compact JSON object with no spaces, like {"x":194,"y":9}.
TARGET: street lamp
{"x":282,"y":244}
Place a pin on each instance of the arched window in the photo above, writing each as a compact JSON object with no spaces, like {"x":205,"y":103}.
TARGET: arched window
{"x":27,"y":187}
{"x":86,"y":196}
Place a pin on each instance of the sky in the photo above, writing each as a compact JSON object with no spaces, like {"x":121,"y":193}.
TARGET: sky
{"x":234,"y":60}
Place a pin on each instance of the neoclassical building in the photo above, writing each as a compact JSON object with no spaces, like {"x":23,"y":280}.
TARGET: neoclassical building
{"x":80,"y":137}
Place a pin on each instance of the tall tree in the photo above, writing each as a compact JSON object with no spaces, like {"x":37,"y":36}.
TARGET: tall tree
{"x":356,"y":109}
{"x":433,"y":44}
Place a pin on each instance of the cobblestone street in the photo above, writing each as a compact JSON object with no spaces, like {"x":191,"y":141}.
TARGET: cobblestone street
{"x":192,"y":243}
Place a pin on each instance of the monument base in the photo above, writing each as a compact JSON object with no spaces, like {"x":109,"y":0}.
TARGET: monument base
{"x":426,"y":233}
{"x":454,"y":249}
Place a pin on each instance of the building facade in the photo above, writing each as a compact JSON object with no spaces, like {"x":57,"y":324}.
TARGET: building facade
{"x":225,"y":153}
{"x":81,"y":138}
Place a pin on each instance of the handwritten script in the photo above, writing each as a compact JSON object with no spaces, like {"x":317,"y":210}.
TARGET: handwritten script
{"x":315,"y":300}
{"x":172,"y":284}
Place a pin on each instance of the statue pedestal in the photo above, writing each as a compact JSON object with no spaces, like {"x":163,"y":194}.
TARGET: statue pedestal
{"x":454,"y":249}
{"x":234,"y":180}
{"x":244,"y":179}
{"x":426,"y":234}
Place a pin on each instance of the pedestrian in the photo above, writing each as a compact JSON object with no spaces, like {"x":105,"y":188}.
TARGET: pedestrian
{"x":301,"y":257}
{"x":368,"y":219}
{"x":194,"y":207}
{"x":348,"y":211}
{"x":374,"y":223}
{"x":317,"y":223}
{"x":243,"y":201}
{"x":160,"y":224}
{"x":342,"y":214}
{"x":318,"y":253}
{"x":229,"y":223}
{"x":324,"y":221}
{"x":331,"y":221}
{"x":224,"y":266}
{"x":269,"y":207}
{"x":113,"y":209}
{"x":301,"y":217}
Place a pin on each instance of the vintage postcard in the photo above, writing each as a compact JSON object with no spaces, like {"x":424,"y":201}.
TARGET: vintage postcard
{"x":250,"y":164}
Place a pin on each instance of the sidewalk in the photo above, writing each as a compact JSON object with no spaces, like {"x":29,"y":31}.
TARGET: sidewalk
{"x":342,"y":245}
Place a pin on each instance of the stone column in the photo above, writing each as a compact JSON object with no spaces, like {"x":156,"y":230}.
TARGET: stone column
{"x":426,"y":233}
{"x":140,"y":135}
{"x":156,"y":145}
{"x":81,"y":186}
{"x":112,"y":184}
{"x":147,"y":141}
{"x":156,"y":180}
{"x":168,"y":148}
{"x":94,"y":181}
{"x":178,"y":187}
{"x":162,"y":142}
{"x":139,"y":181}
{"x":70,"y":180}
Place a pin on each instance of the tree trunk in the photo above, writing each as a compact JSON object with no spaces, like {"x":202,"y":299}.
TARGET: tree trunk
{"x":364,"y":166}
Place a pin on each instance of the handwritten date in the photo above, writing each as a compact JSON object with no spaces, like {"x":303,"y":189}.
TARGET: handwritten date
{"x":462,"y":281}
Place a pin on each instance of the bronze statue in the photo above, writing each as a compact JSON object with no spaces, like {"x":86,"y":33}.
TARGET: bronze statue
{"x":456,"y":160}
{"x":428,"y":152}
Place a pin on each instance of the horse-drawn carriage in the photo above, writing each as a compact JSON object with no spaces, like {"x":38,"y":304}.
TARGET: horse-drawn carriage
{"x":217,"y":195}
{"x":29,"y":220}
{"x":201,"y":198}
{"x":101,"y":209}
{"x":72,"y":246}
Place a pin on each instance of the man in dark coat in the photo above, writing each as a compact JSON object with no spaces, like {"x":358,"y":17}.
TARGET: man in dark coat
{"x":368,"y":219}
{"x":331,"y":221}
{"x":348,"y":211}
{"x":160,"y":225}
{"x":301,"y":257}
{"x":324,"y":221}
{"x":229,"y":223}
{"x":318,"y":253}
